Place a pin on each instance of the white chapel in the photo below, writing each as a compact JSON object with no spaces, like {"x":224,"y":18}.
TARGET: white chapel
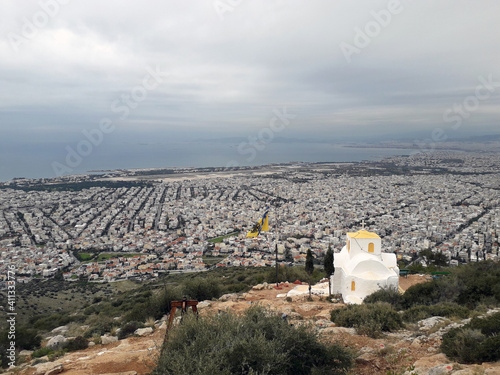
{"x":361,"y":268}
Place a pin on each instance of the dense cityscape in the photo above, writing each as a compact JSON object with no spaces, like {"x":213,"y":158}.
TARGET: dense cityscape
{"x":152,"y":223}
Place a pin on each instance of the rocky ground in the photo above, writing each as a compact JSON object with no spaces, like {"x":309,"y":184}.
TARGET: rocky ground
{"x":412,"y":351}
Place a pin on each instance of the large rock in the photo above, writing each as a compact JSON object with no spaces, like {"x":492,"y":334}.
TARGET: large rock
{"x":25,"y":353}
{"x":323,"y":323}
{"x":143,"y":331}
{"x":105,"y":340}
{"x":425,"y":364}
{"x":366,"y":358}
{"x":56,"y":370}
{"x":60,"y":329}
{"x":441,"y":369}
{"x":48,"y":368}
{"x":203,"y":304}
{"x":229,"y":297}
{"x":337,"y":330}
{"x":429,"y":323}
{"x":56,"y":341}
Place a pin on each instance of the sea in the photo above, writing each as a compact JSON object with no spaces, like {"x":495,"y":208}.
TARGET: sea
{"x":49,"y":162}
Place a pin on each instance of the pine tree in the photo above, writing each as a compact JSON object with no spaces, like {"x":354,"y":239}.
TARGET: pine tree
{"x":309,"y":262}
{"x":309,"y":268}
{"x":329,"y":268}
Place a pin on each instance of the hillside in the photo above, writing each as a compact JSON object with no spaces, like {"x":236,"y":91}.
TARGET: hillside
{"x":417,"y":346}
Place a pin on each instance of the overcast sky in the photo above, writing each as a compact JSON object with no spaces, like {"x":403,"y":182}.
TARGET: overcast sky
{"x":342,"y":69}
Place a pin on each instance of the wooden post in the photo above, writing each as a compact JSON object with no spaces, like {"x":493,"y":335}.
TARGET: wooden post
{"x":184,"y":305}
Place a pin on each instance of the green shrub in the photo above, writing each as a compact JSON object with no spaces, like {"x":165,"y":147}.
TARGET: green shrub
{"x":422,"y":294}
{"x":446,"y":309}
{"x":202,"y":289}
{"x":78,"y":343}
{"x":476,"y":342}
{"x":41,"y":352}
{"x":128,"y":329}
{"x":463,"y":344}
{"x":390,"y":295}
{"x":159,"y":303}
{"x":98,"y":325}
{"x":489,"y":325}
{"x":369,"y":319}
{"x":257,"y":343}
{"x":49,"y":322}
{"x":27,"y":338}
{"x":291,"y":274}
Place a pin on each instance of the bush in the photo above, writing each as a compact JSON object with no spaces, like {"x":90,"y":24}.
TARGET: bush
{"x":27,"y":338}
{"x":41,"y":352}
{"x":128,"y":329}
{"x":488,"y":326}
{"x":291,"y":274}
{"x":202,"y":289}
{"x":78,"y":343}
{"x":390,"y":295}
{"x":369,"y":319}
{"x":446,"y":309}
{"x":462,"y":344}
{"x":49,"y":322}
{"x":99,"y":325}
{"x":422,"y":294}
{"x":476,"y":342}
{"x":257,"y":343}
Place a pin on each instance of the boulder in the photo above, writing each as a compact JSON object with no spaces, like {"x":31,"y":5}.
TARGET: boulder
{"x":441,"y":369}
{"x":56,"y":370}
{"x":105,"y":340}
{"x":323,"y":323}
{"x":25,"y":353}
{"x":60,"y":329}
{"x":467,"y":371}
{"x":429,"y":323}
{"x":243,"y":297}
{"x":204,"y":304}
{"x":415,"y":344}
{"x":258,"y":287}
{"x":365,"y":358}
{"x":229,"y":297}
{"x":56,"y":341}
{"x":424,"y":364}
{"x":143,"y":331}
{"x":337,"y":330}
{"x":45,"y":368}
